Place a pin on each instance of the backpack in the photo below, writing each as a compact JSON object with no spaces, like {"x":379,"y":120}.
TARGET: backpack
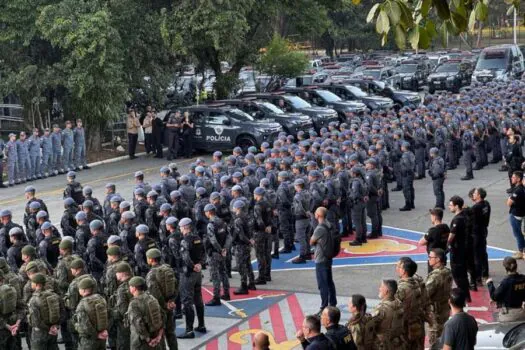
{"x":76,"y":193}
{"x":334,"y":242}
{"x":98,"y":312}
{"x":8,"y":299}
{"x":73,"y":297}
{"x":154,"y":320}
{"x":49,"y":303}
{"x":167,"y":281}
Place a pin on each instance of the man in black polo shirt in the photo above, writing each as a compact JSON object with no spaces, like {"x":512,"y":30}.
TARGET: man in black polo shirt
{"x":457,"y":240}
{"x":516,"y":202}
{"x":437,"y":236}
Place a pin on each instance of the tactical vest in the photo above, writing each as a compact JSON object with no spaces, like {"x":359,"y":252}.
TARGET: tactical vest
{"x":196,"y":248}
{"x":97,"y":312}
{"x":221,"y":231}
{"x":73,"y":297}
{"x":392,"y":332}
{"x":150,"y":309}
{"x":8,"y":299}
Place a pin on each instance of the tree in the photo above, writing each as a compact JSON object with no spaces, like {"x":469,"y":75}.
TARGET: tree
{"x":423,"y":20}
{"x":279,"y":61}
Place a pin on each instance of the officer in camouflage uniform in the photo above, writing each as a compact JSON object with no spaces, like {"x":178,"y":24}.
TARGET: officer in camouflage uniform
{"x":95,"y":256}
{"x":68,"y":222}
{"x":152,"y":218}
{"x":6,"y":225}
{"x":155,"y":280}
{"x":30,"y":195}
{"x":386,"y":321}
{"x":437,"y":171}
{"x":48,"y":249}
{"x":29,"y":255}
{"x":219,"y":243}
{"x":72,"y":296}
{"x":82,"y":233}
{"x":357,"y":199}
{"x":263,"y":234}
{"x":180,"y":208}
{"x":109,"y":285}
{"x":411,"y":297}
{"x":144,"y":244}
{"x":11,"y":319}
{"x":43,"y":335}
{"x":110,"y":191}
{"x":167,"y":183}
{"x":358,"y":322}
{"x":87,"y":191}
{"x":87,"y":317}
{"x":375,"y":191}
{"x":119,"y":303}
{"x":302,"y":213}
{"x":407,"y":168}
{"x":438,"y":286}
{"x":73,"y":188}
{"x":193,"y":255}
{"x":144,"y":336}
{"x":32,"y":224}
{"x":14,"y":253}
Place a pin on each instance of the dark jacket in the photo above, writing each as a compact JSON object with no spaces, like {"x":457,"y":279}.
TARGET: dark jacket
{"x":319,"y":342}
{"x":341,"y":337}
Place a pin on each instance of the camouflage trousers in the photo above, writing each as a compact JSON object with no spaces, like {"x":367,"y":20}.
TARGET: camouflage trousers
{"x":191,"y":294}
{"x":7,"y":341}
{"x":243,"y":261}
{"x":123,"y":336}
{"x":263,"y":252}
{"x":438,"y":323}
{"x":42,"y":340}
{"x":140,"y":344}
{"x":218,"y":274}
{"x":91,"y":344}
{"x":169,"y":331}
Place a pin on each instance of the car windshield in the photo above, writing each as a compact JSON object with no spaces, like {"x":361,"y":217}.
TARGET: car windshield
{"x":357,"y":92}
{"x":328,"y":96}
{"x":271,"y":108}
{"x":298,"y":102}
{"x":374,"y":73}
{"x":448,"y":67}
{"x":240,"y":115}
{"x":492,"y":60}
{"x":515,"y":337}
{"x":407,"y":68}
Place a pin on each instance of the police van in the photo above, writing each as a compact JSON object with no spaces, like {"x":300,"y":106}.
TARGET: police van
{"x":499,"y":63}
{"x":221,"y":127}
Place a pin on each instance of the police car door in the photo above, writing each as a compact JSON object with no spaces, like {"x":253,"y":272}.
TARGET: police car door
{"x":199,"y":141}
{"x":219,"y":130}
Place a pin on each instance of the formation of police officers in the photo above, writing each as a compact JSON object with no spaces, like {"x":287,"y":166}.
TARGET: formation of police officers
{"x":41,"y":155}
{"x":141,"y":260}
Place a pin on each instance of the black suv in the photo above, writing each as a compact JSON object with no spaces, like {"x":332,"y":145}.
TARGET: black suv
{"x":413,"y":74}
{"x":292,"y":123}
{"x":353,"y":93}
{"x":220,"y":127}
{"x":321,"y":116}
{"x":325,"y":98}
{"x":401,"y":98}
{"x":451,"y":76}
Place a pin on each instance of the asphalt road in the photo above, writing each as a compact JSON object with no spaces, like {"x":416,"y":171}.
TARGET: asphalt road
{"x":349,"y":280}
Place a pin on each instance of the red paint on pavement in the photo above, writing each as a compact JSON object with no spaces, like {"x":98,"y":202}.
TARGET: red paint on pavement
{"x":232,"y":345}
{"x":296,"y":310}
{"x":481,"y":298}
{"x":213,"y":344}
{"x":276,"y":317}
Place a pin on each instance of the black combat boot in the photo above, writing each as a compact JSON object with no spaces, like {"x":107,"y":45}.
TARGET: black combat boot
{"x":242,"y":290}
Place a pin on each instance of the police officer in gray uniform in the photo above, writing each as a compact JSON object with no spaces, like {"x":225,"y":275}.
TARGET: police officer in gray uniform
{"x":407,"y":173}
{"x":68,"y":143}
{"x":79,"y":138}
{"x":35,"y":143}
{"x":56,"y":139}
{"x":420,"y":145}
{"x":2,"y":148}
{"x":243,"y":241}
{"x":301,"y":212}
{"x":12,"y":161}
{"x":437,"y":172}
{"x":373,"y":208}
{"x":47,"y":152}
{"x":24,"y":166}
{"x":358,"y":195}
{"x":284,"y":211}
{"x":467,"y":142}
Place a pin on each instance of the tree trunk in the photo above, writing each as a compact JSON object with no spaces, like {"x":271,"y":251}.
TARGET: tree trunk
{"x":93,"y":138}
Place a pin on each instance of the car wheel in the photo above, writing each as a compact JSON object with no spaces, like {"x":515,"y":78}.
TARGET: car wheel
{"x":245,"y":142}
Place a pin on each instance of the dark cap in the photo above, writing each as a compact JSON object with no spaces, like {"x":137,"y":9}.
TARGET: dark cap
{"x":137,"y":281}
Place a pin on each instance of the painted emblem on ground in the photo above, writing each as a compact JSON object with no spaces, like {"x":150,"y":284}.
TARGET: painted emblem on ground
{"x":280,"y":316}
{"x":394,"y":244}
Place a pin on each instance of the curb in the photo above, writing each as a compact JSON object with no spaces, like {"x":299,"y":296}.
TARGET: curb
{"x":118,"y":159}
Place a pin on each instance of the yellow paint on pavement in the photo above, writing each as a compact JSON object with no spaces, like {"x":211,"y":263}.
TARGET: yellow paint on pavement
{"x":377,"y":246}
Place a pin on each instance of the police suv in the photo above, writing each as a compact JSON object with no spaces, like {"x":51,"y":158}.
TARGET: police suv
{"x":221,"y":127}
{"x":291,"y":122}
{"x":450,"y":75}
{"x":413,"y":74}
{"x":354,"y":93}
{"x":321,"y":116}
{"x":325,"y":98}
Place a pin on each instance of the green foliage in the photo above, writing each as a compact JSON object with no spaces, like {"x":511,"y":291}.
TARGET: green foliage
{"x":279,"y":61}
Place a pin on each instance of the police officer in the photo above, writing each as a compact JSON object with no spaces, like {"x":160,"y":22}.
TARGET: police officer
{"x":143,"y":244}
{"x":198,"y":211}
{"x":419,"y":138}
{"x":2,"y":154}
{"x":263,"y":234}
{"x":152,"y":217}
{"x":24,"y":164}
{"x":82,"y":233}
{"x":110,"y":190}
{"x":14,"y":253}
{"x":284,"y":211}
{"x":438,"y":286}
{"x":174,"y":129}
{"x":95,"y":255}
{"x":180,"y":208}
{"x":87,"y":191}
{"x":338,"y":334}
{"x":56,"y":139}
{"x":510,"y":294}
{"x":48,"y":248}
{"x":357,"y":197}
{"x":34,"y":155}
{"x":30,"y":195}
{"x":193,"y":255}
{"x":373,"y":208}
{"x":91,"y":316}
{"x":12,"y":315}
{"x":219,"y":242}
{"x":437,"y":172}
{"x":167,"y":183}
{"x":362,"y":337}
{"x":302,"y":214}
{"x":480,"y":222}
{"x":163,"y":285}
{"x":68,"y":222}
{"x":407,"y":167}
{"x":79,"y":137}
{"x":73,"y":188}
{"x":467,"y":142}
{"x":68,"y":144}
{"x":243,"y":241}
{"x":13,"y":176}
{"x":47,"y":153}
{"x":7,"y":225}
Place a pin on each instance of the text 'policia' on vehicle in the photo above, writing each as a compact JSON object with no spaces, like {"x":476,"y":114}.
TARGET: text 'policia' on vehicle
{"x":221,"y":127}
